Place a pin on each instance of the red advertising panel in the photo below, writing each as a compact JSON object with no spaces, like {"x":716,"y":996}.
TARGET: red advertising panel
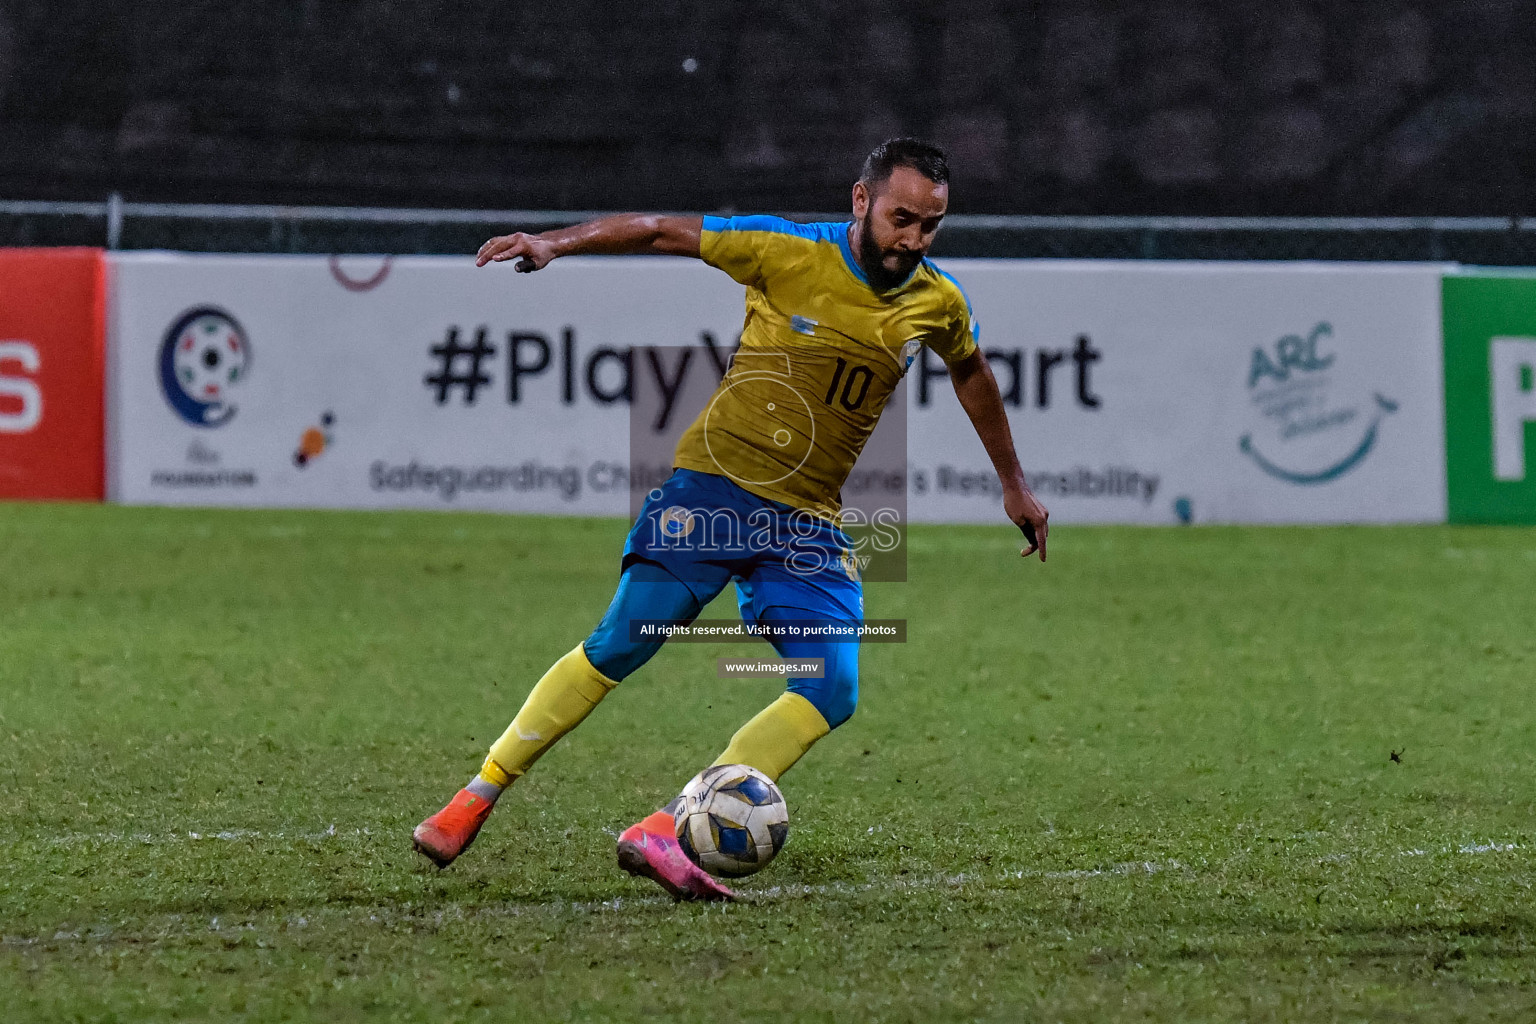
{"x":52,"y":336}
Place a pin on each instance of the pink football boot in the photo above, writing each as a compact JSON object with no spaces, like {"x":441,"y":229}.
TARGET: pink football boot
{"x":650,"y":848}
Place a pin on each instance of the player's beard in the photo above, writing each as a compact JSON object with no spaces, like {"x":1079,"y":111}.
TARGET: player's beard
{"x":872,"y":259}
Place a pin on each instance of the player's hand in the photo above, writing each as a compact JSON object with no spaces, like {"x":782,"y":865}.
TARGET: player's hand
{"x":1030,"y":516}
{"x":531,"y":252}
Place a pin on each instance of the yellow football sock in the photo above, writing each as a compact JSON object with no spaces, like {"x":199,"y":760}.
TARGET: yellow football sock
{"x":567,"y":694}
{"x":777,"y":737}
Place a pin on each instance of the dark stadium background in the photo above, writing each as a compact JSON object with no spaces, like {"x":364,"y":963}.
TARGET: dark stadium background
{"x":1276,"y":763}
{"x":1236,"y":108}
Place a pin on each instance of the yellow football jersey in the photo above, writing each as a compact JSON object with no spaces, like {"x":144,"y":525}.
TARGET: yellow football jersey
{"x":821,"y":353}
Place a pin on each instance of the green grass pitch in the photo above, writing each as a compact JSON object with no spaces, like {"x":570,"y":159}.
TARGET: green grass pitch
{"x":1152,"y":780}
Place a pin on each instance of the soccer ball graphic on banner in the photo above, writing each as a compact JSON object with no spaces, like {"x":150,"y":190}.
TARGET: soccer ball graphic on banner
{"x":732,"y":820}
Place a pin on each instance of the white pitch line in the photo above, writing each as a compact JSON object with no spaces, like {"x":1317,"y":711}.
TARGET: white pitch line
{"x":1146,"y":867}
{"x":178,"y":925}
{"x":331,"y":832}
{"x":1487,"y":847}
{"x":228,"y":835}
{"x":303,"y":919}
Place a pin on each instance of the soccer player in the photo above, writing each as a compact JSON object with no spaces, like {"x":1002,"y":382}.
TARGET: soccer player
{"x":835,"y":314}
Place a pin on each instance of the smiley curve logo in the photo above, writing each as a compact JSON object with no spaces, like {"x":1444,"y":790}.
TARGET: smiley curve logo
{"x":1333,"y":472}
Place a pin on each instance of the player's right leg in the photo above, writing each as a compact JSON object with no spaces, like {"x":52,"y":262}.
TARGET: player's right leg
{"x":560,"y":700}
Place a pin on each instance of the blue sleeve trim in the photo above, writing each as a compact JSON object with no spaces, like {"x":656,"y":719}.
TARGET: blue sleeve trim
{"x":820,"y":231}
{"x":969,"y":309}
{"x":848,"y":258}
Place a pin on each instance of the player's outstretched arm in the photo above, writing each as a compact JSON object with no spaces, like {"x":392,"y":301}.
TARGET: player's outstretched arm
{"x":621,"y":235}
{"x":977,"y":390}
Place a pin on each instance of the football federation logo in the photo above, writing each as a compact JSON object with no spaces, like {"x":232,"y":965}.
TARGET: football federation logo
{"x":204,"y":356}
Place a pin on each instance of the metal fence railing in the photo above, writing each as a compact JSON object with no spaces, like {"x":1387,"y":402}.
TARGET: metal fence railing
{"x":1493,"y":241}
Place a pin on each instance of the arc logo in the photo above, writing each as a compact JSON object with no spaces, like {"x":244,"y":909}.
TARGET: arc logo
{"x":1310,"y":427}
{"x":21,"y":400}
{"x":204,"y":358}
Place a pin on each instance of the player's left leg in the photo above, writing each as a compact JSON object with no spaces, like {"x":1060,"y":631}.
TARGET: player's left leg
{"x":771,"y":742}
{"x":810,"y":707}
{"x":781,"y":733}
{"x":797,"y":575}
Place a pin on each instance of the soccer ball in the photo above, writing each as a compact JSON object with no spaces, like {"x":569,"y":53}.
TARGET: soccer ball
{"x":731,"y":820}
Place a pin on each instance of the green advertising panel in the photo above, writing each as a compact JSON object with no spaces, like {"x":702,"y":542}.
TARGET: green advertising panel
{"x":1490,"y":397}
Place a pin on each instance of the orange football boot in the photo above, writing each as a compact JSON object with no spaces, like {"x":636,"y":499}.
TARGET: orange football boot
{"x":448,"y":833}
{"x":649,"y":848}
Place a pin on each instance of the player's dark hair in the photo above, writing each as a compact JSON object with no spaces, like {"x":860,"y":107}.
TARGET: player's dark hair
{"x":923,"y":157}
